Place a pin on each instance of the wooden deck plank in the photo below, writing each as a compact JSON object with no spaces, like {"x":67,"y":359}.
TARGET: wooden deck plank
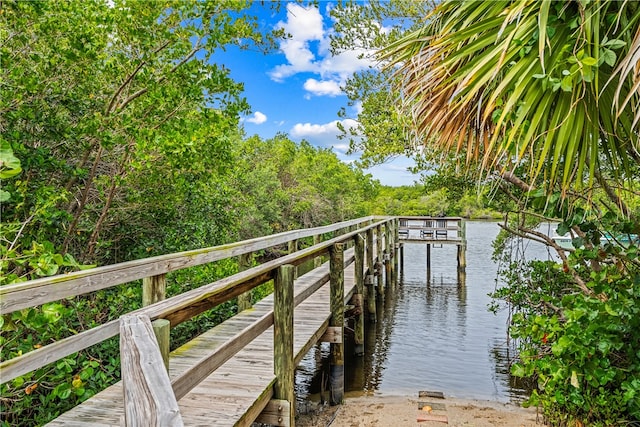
{"x":239,"y":389}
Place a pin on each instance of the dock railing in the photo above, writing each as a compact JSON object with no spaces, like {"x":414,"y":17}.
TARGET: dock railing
{"x":134,"y":327}
{"x":427,"y":228}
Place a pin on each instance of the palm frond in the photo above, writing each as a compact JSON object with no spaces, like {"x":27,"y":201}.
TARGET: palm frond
{"x":519,"y":81}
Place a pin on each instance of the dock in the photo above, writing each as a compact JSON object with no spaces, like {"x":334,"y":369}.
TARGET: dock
{"x":242,"y":370}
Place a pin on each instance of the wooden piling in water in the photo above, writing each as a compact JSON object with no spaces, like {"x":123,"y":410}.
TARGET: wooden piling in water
{"x":388,"y":269}
{"x":370,"y":278}
{"x":428,"y":260}
{"x":358,"y":297}
{"x":284,"y":365}
{"x":396,"y":250}
{"x":462,"y":247}
{"x":336,"y":279}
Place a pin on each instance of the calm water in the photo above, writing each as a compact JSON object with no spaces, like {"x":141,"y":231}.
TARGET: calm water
{"x":434,"y":334}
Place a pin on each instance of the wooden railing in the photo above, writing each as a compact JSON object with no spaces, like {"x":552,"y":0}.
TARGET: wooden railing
{"x":175,"y":310}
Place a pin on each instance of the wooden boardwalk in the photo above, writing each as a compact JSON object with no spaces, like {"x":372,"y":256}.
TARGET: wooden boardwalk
{"x":238,"y":391}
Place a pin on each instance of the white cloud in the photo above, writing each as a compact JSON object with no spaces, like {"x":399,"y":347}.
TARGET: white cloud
{"x":303,"y":25}
{"x":325,"y":135}
{"x":258,"y":118}
{"x":322,"y":87}
{"x":307,"y":51}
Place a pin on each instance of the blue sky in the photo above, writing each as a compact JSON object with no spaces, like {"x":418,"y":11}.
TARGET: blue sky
{"x":296,"y":90}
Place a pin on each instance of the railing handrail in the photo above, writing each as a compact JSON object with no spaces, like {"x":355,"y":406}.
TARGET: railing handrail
{"x":183,"y":306}
{"x":36,"y":292}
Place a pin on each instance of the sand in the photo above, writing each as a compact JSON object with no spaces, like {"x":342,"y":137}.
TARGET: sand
{"x":397,"y":411}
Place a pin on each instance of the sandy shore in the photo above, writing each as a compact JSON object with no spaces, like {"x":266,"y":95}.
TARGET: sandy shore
{"x":396,"y":411}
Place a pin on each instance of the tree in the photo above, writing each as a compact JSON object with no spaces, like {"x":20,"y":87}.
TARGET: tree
{"x":549,"y":84}
{"x":95,"y":95}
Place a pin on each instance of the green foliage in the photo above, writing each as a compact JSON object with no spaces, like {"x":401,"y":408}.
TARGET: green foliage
{"x":283,"y":185}
{"x":507,"y":82}
{"x":583,"y":348}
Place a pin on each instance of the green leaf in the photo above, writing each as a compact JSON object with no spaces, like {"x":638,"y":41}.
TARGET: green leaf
{"x":589,"y":60}
{"x":609,"y":57}
{"x":567,"y":84}
{"x":615,"y":43}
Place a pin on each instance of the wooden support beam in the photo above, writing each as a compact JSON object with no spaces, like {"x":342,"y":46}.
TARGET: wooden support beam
{"x":379,"y":264}
{"x":358,"y":297}
{"x":396,"y":250}
{"x":276,"y":413}
{"x":336,"y":278}
{"x":387,"y":255}
{"x":147,"y":392}
{"x":370,"y":278}
{"x":283,"y":362}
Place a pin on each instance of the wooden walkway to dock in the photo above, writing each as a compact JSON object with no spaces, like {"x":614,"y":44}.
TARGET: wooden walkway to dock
{"x":242,"y":370}
{"x":238,"y":391}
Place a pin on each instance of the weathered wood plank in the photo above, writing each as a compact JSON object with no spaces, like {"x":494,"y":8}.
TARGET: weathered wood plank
{"x":148,"y":398}
{"x":192,"y":377}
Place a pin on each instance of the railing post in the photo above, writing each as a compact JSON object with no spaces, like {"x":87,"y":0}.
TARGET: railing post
{"x":244,"y":263}
{"x":336,"y":278}
{"x":154,"y":289}
{"x":369,"y":280}
{"x":379,"y":259}
{"x":396,"y":251}
{"x":293,"y":247}
{"x":358,"y":297}
{"x":388,"y":278}
{"x":147,"y":393}
{"x":317,"y":261}
{"x":283,"y":338}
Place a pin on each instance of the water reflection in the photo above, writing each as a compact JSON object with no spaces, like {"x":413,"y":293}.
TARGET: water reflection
{"x":434,"y":332}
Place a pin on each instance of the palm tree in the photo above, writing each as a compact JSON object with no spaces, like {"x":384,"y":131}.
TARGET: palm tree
{"x":551,"y":85}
